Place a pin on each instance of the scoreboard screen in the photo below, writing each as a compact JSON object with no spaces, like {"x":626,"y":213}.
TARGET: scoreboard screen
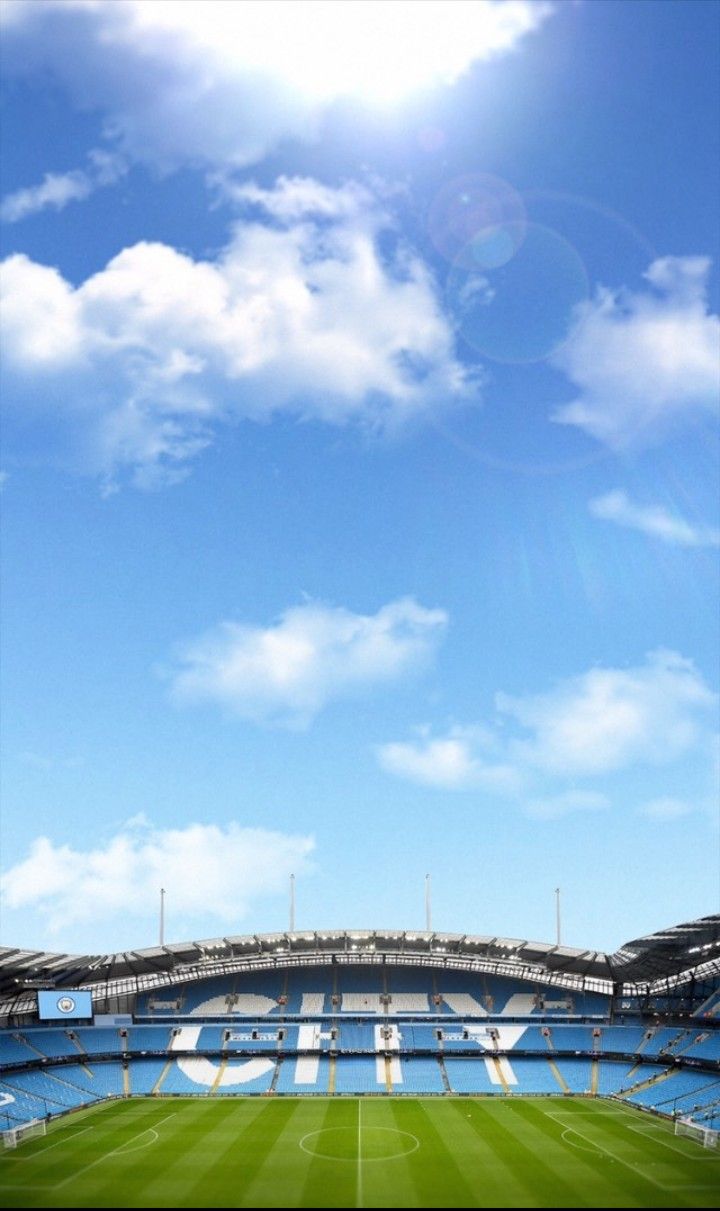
{"x":70,"y":1003}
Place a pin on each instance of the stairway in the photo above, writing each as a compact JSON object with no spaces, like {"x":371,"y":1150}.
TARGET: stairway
{"x":559,"y":1076}
{"x":276,"y":1075}
{"x":157,"y":1086}
{"x":216,"y":1083}
{"x":653,"y":1080}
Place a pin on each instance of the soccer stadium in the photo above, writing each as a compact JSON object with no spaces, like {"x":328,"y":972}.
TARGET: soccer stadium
{"x":364,"y":1069}
{"x":359,"y":477}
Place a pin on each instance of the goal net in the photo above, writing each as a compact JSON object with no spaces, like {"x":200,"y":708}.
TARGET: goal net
{"x":16,"y":1135}
{"x":704,"y":1135}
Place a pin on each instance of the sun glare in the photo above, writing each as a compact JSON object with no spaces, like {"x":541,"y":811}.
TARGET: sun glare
{"x":380,"y":50}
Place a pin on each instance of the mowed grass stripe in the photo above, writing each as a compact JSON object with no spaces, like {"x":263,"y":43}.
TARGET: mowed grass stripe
{"x":222,"y":1139}
{"x":502,"y":1178}
{"x":396,"y":1179}
{"x":651,"y":1159}
{"x":137,"y":1145}
{"x":571,"y":1173}
{"x":461,"y":1127}
{"x":190,"y":1148}
{"x":52,"y":1168}
{"x":245,"y":1152}
{"x":246,"y":1148}
{"x":436,"y":1175}
{"x":330,"y":1183}
{"x":283,"y":1164}
{"x":58,"y":1176}
{"x":634,"y":1180}
{"x":535,"y":1169}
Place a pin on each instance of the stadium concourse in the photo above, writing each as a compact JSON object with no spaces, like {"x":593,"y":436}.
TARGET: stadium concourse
{"x":366,"y":1013}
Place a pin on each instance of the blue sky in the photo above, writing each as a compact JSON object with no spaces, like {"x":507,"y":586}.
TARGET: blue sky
{"x":360,"y":467}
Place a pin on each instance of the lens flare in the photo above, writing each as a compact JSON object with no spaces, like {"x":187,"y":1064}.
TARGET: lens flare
{"x":477,"y":221}
{"x":522,"y":309}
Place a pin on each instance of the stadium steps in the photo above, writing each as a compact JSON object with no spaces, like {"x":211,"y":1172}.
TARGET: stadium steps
{"x":25,"y":1093}
{"x":126,"y":1081}
{"x":283,"y":1002}
{"x":698,"y":1094}
{"x":649,"y":1084}
{"x":68,"y":1084}
{"x":675,"y":1041}
{"x":594,"y":1077}
{"x":388,"y":1074}
{"x":76,"y":1042}
{"x":547,"y":1035}
{"x":21,"y":1039}
{"x":685,"y":1044}
{"x":332,"y":1074}
{"x":218,"y":1079}
{"x":647,"y":1038}
{"x":276,"y":1075}
{"x":710,"y":1007}
{"x":501,"y":1075}
{"x":158,"y":1084}
{"x":559,"y":1076}
{"x":444,"y":1075}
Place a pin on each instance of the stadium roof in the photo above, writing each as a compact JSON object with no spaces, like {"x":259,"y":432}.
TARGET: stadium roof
{"x":672,"y":955}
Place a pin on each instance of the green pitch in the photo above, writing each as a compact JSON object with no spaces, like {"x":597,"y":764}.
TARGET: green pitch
{"x":350,"y":1152}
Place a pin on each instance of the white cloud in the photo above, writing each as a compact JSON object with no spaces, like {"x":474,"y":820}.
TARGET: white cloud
{"x":301,"y":312}
{"x":643,"y":362}
{"x":608,"y":718}
{"x":665,"y":809}
{"x":288,"y":672}
{"x":653,"y":520}
{"x":57,"y":189}
{"x":209,"y":871}
{"x":596,"y":724}
{"x":223,"y":83}
{"x":451,"y":762}
{"x":568,"y":802}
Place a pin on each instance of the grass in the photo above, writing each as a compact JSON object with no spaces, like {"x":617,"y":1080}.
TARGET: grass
{"x":351,"y":1152}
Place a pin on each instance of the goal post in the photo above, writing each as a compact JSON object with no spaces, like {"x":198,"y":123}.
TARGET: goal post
{"x":706,"y":1136}
{"x":15,"y":1135}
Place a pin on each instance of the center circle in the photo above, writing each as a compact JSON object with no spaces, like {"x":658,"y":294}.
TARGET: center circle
{"x":373,"y":1144}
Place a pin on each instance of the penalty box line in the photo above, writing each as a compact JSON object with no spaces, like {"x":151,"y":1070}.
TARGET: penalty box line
{"x":638,"y":1170}
{"x":113,"y":1151}
{"x":66,"y":1136}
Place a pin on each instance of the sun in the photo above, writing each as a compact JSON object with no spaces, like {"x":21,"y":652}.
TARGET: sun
{"x":379,"y":50}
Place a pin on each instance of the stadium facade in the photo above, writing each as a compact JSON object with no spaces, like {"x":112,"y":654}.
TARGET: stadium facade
{"x":366,"y":1012}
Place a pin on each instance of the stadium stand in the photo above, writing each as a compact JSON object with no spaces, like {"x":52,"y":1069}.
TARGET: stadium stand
{"x":420,"y":1076}
{"x":13,"y":1049}
{"x":360,"y":1076}
{"x":148,"y":1038}
{"x":709,"y":1008}
{"x":336,"y":1025}
{"x":99,"y":1040}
